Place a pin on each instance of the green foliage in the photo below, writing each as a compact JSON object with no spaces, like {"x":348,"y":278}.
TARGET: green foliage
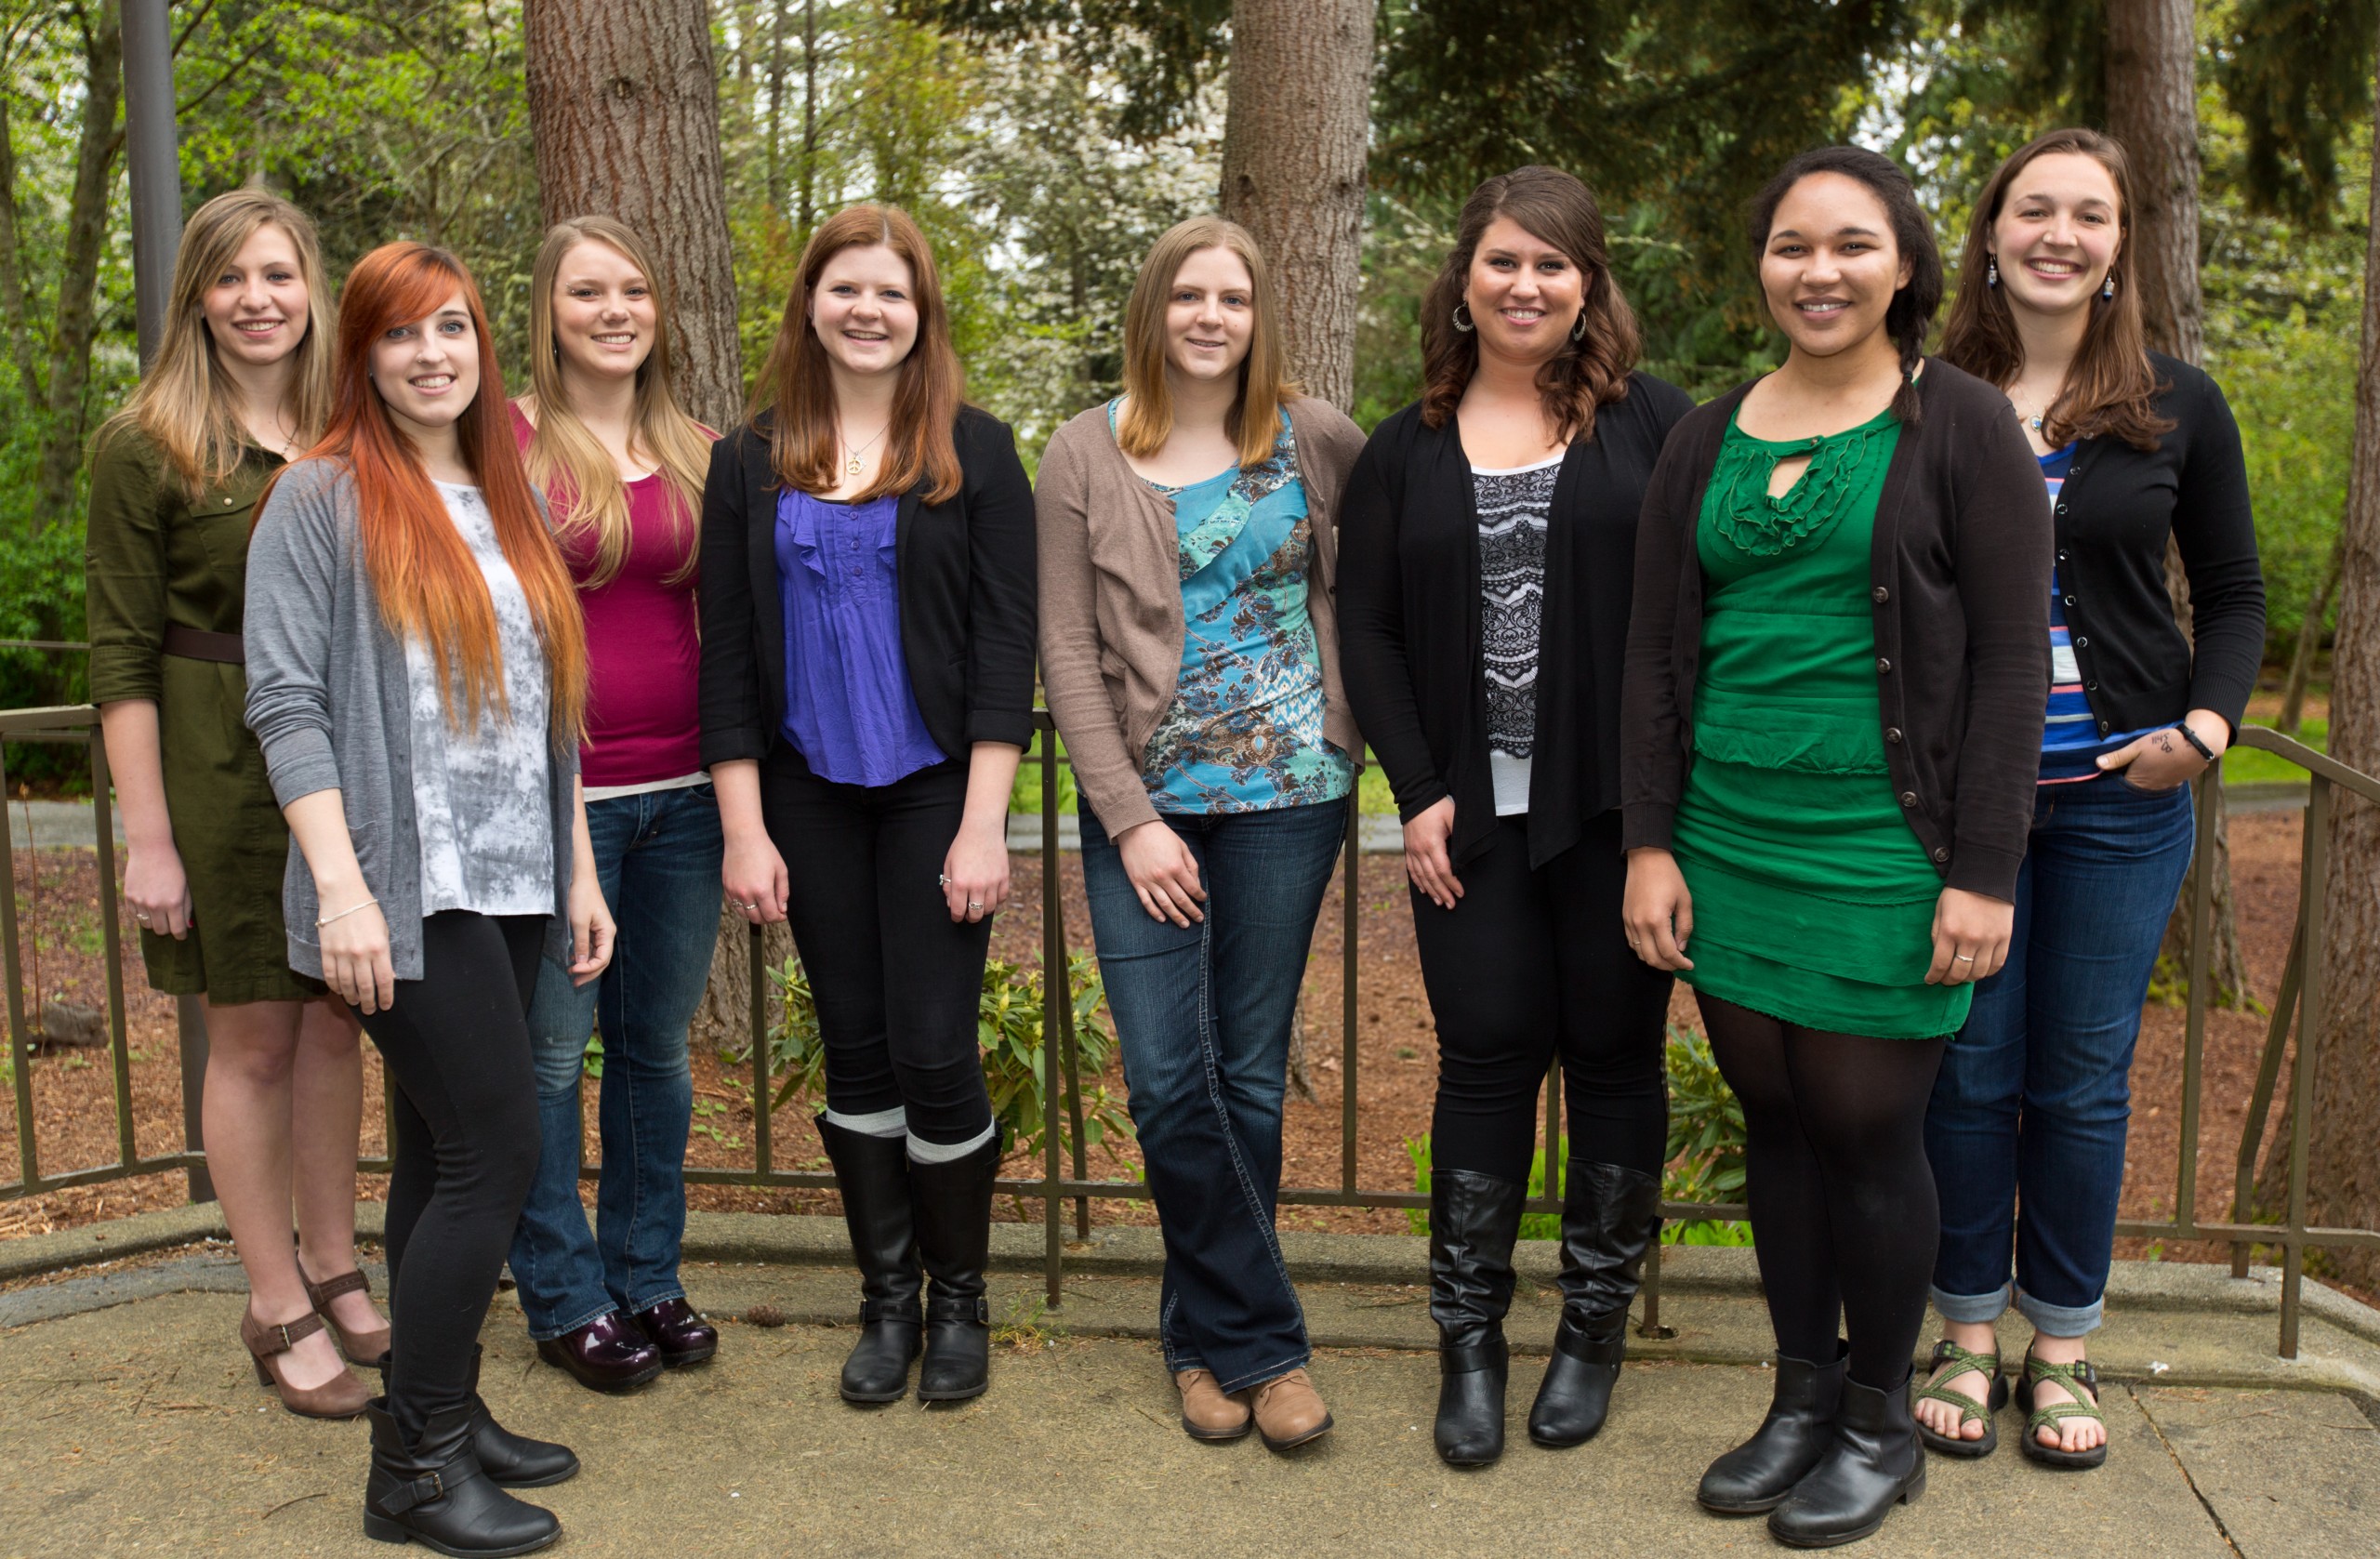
{"x":1705,"y":1152}
{"x":1011,"y":1028}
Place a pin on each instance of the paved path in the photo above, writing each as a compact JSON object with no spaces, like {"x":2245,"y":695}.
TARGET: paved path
{"x":138,"y":1429}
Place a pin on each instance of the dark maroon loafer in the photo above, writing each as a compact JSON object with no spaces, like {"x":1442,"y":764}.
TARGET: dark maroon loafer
{"x":678,"y":1329}
{"x":607,"y":1354}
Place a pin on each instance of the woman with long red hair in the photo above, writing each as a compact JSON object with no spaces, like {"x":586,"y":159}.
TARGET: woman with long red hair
{"x":417,"y":679}
{"x":867,"y":620}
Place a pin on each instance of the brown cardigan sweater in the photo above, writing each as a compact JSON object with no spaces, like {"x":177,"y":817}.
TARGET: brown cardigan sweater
{"x":1958,"y":578}
{"x":1111,"y":599}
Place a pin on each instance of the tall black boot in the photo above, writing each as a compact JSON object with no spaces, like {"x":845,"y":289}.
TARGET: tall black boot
{"x":1873,"y":1464}
{"x":1757,"y":1475}
{"x":873,"y":1174}
{"x":510,"y":1461}
{"x":1473,"y":1220}
{"x":433,"y":1491}
{"x":1609,"y":1215}
{"x":953,"y":1203}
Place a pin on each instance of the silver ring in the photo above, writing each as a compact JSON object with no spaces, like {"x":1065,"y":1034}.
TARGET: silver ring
{"x":941,"y":881}
{"x":1964,"y":957}
{"x":974,"y":903}
{"x":141,"y":916}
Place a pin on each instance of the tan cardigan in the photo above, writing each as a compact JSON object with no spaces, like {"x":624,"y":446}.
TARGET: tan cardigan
{"x":1111,"y":599}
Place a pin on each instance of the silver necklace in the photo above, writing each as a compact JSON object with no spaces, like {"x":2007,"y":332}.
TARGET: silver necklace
{"x":853,"y":465}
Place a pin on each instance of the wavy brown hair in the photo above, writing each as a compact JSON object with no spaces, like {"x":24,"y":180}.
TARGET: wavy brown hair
{"x":1592,"y":368}
{"x":796,"y":385}
{"x":1254,"y":421}
{"x":2111,"y":387}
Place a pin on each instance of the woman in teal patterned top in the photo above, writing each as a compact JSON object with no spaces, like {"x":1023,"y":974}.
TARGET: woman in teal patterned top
{"x":1245,"y":730}
{"x":1188,"y":647}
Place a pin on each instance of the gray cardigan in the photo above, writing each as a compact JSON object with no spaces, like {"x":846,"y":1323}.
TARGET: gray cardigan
{"x":329,"y":701}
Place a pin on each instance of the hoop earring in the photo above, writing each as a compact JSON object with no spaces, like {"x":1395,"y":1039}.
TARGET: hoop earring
{"x":2108,"y":288}
{"x":1463,"y":316}
{"x":1579,"y":328}
{"x":1991,"y":272}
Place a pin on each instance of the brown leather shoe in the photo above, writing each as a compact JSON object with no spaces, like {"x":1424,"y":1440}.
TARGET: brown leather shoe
{"x":367,"y":1348}
{"x":1207,"y":1413}
{"x":341,"y":1396}
{"x":1288,"y":1412}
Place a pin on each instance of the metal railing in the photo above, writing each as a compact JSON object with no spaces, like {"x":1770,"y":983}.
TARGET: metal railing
{"x":1066,"y":1179}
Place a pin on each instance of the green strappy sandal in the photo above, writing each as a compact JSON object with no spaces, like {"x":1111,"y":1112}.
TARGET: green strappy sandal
{"x":1946,"y":1353}
{"x":2079,"y":1382}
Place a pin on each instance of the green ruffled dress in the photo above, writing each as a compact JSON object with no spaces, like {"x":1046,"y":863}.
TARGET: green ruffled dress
{"x":1813,"y":901}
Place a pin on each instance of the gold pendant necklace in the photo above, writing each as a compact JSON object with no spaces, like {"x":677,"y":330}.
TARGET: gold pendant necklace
{"x":852,"y":464}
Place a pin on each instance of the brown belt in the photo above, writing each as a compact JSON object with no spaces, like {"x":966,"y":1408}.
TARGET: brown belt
{"x":192,"y":643}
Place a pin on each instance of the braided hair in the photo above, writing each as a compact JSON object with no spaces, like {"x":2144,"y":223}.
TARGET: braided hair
{"x":1911,"y":314}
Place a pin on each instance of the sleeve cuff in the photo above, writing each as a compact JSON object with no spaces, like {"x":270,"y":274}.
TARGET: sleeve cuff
{"x":1001,"y":725}
{"x":1646,"y":825}
{"x":125,"y":671}
{"x":301,"y":763}
{"x":1976,"y":869}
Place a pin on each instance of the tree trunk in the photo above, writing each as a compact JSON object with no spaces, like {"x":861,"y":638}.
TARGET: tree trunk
{"x":2152,"y":106}
{"x":724,"y":1020}
{"x":2344,"y":1172}
{"x":1294,"y":142}
{"x":13,"y":300}
{"x":2309,"y":645}
{"x":86,"y":235}
{"x":624,"y":104}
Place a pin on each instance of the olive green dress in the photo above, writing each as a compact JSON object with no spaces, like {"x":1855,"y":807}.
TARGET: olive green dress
{"x":157,"y":554}
{"x":1813,"y":901}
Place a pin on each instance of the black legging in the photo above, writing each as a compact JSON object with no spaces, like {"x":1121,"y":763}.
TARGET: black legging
{"x":899,"y":985}
{"x":1843,"y":1214}
{"x":1529,"y":965}
{"x":457,"y":1044}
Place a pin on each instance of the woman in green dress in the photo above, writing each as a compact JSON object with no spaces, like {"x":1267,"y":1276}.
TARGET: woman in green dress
{"x":240,"y":383}
{"x":1833,"y":701}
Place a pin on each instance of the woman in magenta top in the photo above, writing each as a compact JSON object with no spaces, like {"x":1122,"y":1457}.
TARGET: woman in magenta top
{"x":622,"y":468}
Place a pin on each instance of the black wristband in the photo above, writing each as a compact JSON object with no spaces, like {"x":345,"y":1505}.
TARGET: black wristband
{"x":2193,"y":738}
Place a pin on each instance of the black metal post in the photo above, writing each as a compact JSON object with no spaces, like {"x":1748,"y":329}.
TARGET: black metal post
{"x":153,"y":157}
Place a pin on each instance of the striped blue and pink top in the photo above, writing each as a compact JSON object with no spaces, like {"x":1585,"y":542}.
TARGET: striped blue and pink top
{"x":2070,"y":741}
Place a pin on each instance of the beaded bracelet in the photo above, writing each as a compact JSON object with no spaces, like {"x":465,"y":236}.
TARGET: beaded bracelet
{"x":323,"y":920}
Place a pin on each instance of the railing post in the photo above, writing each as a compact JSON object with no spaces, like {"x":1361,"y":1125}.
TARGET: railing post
{"x":1348,"y":1021}
{"x":20,"y":1034}
{"x":2310,"y":1039}
{"x":2195,"y":994}
{"x":763,"y":1144}
{"x":190,"y":1030}
{"x":1055,"y":985}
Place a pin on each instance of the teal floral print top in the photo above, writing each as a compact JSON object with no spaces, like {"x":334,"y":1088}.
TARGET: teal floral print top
{"x":1244,"y":733}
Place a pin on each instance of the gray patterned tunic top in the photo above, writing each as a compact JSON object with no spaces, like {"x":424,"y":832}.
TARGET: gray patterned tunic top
{"x":1512,"y":505}
{"x":487,"y":839}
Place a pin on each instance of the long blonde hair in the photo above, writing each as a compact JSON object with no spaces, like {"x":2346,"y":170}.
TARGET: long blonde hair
{"x":1255,"y":422}
{"x":186,"y":402}
{"x":583,"y":486}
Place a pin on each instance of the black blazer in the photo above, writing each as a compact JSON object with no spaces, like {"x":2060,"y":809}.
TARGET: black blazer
{"x":966,"y":574}
{"x":1408,"y":619}
{"x":2114,"y":513}
{"x":1959,"y":587}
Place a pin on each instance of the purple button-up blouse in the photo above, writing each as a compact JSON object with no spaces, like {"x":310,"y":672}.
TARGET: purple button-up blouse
{"x":849,"y":708}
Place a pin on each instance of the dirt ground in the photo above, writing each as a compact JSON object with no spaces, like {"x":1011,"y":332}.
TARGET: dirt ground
{"x":1394,"y":1054}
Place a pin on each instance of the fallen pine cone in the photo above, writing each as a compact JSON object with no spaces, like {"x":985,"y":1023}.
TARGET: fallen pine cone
{"x":764,"y":1315}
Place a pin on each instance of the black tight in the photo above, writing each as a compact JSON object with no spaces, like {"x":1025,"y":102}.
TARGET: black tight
{"x":1843,"y":1214}
{"x":1529,"y":965}
{"x":457,"y":1044}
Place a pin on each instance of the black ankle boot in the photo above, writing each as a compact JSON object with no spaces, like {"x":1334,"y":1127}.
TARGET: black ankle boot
{"x":1873,"y":1464}
{"x":510,"y":1461}
{"x":1473,"y":1220}
{"x":1609,"y":1215}
{"x":1757,"y":1475}
{"x":953,"y":1206}
{"x":873,"y":1174}
{"x":433,"y":1491}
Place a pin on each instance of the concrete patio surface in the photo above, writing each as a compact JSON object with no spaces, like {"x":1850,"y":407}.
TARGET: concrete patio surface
{"x":130,"y":1424}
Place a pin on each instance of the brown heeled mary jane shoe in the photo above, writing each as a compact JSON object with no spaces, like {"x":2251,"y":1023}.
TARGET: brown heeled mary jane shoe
{"x":341,"y":1396}
{"x":367,"y":1348}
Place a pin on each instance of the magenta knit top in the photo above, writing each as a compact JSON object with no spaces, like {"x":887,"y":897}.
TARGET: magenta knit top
{"x":643,"y":654}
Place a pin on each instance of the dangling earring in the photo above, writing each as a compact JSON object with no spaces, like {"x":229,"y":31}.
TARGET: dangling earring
{"x":1462,"y":315}
{"x":1991,"y":272}
{"x":2108,"y":288}
{"x":1579,"y":328}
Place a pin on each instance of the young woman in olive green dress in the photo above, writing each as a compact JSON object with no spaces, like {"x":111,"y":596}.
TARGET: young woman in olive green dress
{"x":240,"y":383}
{"x":1830,"y":706}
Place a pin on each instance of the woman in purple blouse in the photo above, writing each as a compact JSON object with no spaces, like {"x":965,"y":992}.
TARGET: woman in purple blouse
{"x":868,"y":616}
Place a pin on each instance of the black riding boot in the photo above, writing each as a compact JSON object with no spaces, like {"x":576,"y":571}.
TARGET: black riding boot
{"x":1473,"y":1220}
{"x":510,"y":1461}
{"x":1757,"y":1475}
{"x":1873,"y":1464}
{"x":1609,"y":1215}
{"x":873,"y":1174}
{"x":433,"y":1491}
{"x":953,"y":1203}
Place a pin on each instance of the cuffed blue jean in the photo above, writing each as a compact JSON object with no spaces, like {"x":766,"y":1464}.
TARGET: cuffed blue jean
{"x":2027,"y":1127}
{"x":657,"y":857}
{"x":1202,"y":1014}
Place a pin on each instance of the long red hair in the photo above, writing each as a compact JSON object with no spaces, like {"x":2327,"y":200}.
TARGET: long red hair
{"x":429,"y":585}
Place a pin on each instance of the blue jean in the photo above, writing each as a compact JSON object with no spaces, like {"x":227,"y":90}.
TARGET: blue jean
{"x":1202,"y":1013}
{"x":657,"y":857}
{"x":2034,"y":1097}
